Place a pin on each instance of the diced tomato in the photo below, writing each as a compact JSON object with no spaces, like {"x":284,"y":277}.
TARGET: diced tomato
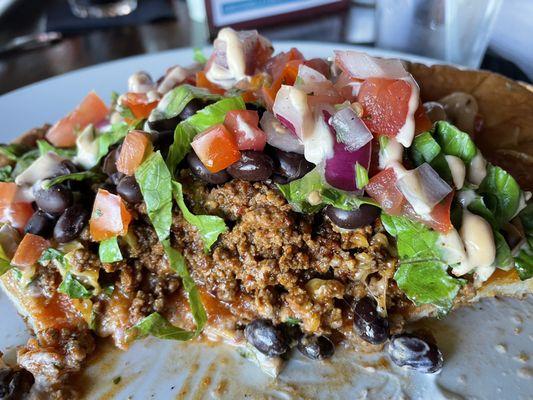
{"x":382,"y":188}
{"x":244,"y":125}
{"x":12,"y":210}
{"x":422,"y":121}
{"x":216,"y":148}
{"x":284,"y":71}
{"x":318,"y":64}
{"x":139,"y":104}
{"x":275,"y":65}
{"x":440,"y":215}
{"x":386,"y":105}
{"x":203,"y":82}
{"x":29,"y":250}
{"x":109,"y":218}
{"x":90,"y":111}
{"x":135,"y":149}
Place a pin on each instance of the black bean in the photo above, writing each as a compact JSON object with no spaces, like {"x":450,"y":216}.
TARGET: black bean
{"x":162,"y":141}
{"x":14,"y":385}
{"x":370,"y":326}
{"x":54,"y":200}
{"x":266,"y":338}
{"x":253,"y":166}
{"x":163,"y":125}
{"x":109,"y":165}
{"x":316,"y":347}
{"x":415,"y":352}
{"x":68,"y":167}
{"x":71,"y":223}
{"x":200,"y":171}
{"x":129,"y":190}
{"x":256,"y":107}
{"x":291,"y":165}
{"x":192,"y":108}
{"x":116,"y":177}
{"x":41,"y":224}
{"x":362,"y":216}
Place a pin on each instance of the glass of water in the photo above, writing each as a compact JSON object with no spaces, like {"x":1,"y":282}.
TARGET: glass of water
{"x":456,"y":31}
{"x":102,"y":8}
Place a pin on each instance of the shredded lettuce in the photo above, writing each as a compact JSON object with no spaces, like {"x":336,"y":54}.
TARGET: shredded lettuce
{"x":156,"y":186}
{"x":5,"y":262}
{"x":5,"y":173}
{"x":426,"y":149}
{"x":25,"y":161}
{"x":501,"y":193}
{"x":156,"y":325}
{"x":361,"y":176}
{"x":209,"y":226}
{"x":524,"y":259}
{"x":504,"y":258}
{"x":204,"y":119}
{"x":73,"y":288}
{"x":13,"y":151}
{"x":183,"y":136}
{"x":45,"y":147}
{"x":215,"y":113}
{"x":107,"y":139}
{"x":199,"y":56}
{"x":154,"y":180}
{"x":310,"y":194}
{"x":177,"y":99}
{"x":70,"y":286}
{"x":423,"y":273}
{"x":454,"y":142}
{"x":76,"y":176}
{"x":109,"y":251}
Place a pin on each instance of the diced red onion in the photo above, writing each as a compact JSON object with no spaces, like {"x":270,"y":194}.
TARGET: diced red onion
{"x":350,"y":129}
{"x":340,"y":169}
{"x":362,"y":66}
{"x":103,"y":125}
{"x":291,"y":108}
{"x":423,"y":188}
{"x":279,"y":136}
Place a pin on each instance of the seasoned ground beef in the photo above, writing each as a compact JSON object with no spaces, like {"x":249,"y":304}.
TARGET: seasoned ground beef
{"x":279,"y":263}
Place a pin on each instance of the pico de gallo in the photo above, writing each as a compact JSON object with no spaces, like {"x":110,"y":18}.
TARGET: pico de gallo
{"x":345,"y":144}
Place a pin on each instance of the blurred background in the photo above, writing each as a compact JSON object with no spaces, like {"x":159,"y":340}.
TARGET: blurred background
{"x":40,"y":39}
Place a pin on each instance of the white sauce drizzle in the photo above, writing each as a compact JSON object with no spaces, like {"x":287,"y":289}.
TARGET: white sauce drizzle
{"x":458,"y":170}
{"x":391,"y":153}
{"x":477,"y":170}
{"x":235,"y":59}
{"x":87,"y":146}
{"x":407,"y":131}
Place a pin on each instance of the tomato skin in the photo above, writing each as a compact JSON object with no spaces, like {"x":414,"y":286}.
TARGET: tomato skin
{"x":109,"y":218}
{"x":91,"y":110}
{"x":12,"y":211}
{"x":203,"y":82}
{"x":135,"y":148}
{"x":138,"y":104}
{"x":422,"y":121}
{"x":382,"y":188}
{"x":284,"y":69}
{"x":386,"y":105}
{"x":216,"y":148}
{"x":244,"y":125}
{"x":440,"y":215}
{"x":29,"y":250}
{"x":275,"y":65}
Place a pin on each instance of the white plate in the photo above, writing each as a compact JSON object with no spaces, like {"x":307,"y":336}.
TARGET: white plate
{"x":486,"y":347}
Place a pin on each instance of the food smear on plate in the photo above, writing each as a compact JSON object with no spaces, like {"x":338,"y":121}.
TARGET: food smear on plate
{"x":266,"y":200}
